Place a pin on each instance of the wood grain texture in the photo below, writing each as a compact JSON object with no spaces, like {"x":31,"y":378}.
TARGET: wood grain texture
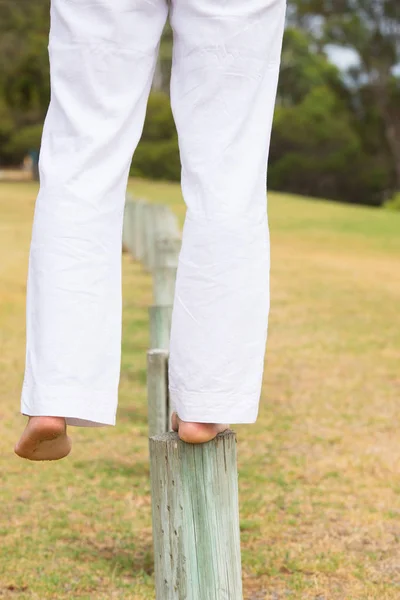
{"x":157,"y":391}
{"x":195,"y":518}
{"x":160,"y":318}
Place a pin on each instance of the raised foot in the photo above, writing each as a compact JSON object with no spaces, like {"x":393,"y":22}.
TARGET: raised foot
{"x":196,"y":433}
{"x":44,"y":438}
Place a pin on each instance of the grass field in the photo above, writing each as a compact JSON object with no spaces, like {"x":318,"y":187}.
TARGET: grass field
{"x":320,"y":470}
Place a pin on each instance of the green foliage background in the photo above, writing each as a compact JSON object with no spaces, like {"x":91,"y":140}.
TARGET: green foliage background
{"x":336,"y":134}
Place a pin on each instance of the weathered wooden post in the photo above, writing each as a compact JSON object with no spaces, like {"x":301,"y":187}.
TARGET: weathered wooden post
{"x":164,"y":271}
{"x":167,"y":223}
{"x":194,"y":487}
{"x":164,"y":276}
{"x":150,"y":233}
{"x":157,"y":391}
{"x":159,"y":223}
{"x":167,"y":251}
{"x":195,"y":518}
{"x":128,"y":225}
{"x":160,"y":326}
{"x":139,"y":233}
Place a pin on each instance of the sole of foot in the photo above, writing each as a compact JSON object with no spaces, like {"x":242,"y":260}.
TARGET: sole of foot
{"x":196,"y":433}
{"x":44,"y":438}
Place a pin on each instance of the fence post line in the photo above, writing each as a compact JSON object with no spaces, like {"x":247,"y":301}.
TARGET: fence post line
{"x":125,"y":247}
{"x":157,"y":391}
{"x":128,"y":230}
{"x":167,"y":251}
{"x":160,"y":326}
{"x":164,"y":271}
{"x":133,"y":226}
{"x":148,"y":236}
{"x":195,"y":512}
{"x":167,"y":223}
{"x":164,"y":281}
{"x":139,"y":230}
{"x":194,"y":487}
{"x":158,"y":223}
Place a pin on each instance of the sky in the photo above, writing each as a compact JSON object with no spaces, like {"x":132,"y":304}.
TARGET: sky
{"x":343,"y":58}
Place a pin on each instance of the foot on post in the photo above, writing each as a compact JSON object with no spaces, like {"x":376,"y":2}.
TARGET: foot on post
{"x":196,"y":433}
{"x":44,"y":438}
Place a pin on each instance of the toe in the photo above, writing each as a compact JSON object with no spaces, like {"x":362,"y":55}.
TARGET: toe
{"x":198,"y":433}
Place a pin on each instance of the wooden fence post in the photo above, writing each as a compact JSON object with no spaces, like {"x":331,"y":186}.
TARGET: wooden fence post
{"x":164,"y":277}
{"x":157,"y":391}
{"x":194,"y":487}
{"x":164,"y":281}
{"x":168,"y":226}
{"x":128,"y":233}
{"x":160,"y":326}
{"x":159,"y":223}
{"x":139,"y":235}
{"x":167,"y":251}
{"x":164,"y":272}
{"x":151,"y":233}
{"x":195,"y":518}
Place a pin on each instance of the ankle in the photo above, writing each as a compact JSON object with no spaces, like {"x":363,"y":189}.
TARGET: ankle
{"x":55,"y":424}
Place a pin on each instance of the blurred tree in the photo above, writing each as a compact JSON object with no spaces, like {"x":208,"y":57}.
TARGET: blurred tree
{"x":24,"y":74}
{"x":303,"y":67}
{"x":372,"y":29}
{"x":316,"y":151}
{"x":23,"y":140}
{"x":336,"y":134}
{"x":157,"y":155}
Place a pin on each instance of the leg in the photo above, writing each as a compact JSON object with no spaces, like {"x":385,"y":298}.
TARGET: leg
{"x":102,"y":57}
{"x":223,"y":89}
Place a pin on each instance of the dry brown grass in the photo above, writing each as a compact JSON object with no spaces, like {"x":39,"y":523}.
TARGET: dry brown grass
{"x":319,"y":472}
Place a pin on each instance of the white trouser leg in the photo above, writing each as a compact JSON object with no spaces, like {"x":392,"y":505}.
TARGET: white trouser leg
{"x":225,"y":73}
{"x":102,"y":56}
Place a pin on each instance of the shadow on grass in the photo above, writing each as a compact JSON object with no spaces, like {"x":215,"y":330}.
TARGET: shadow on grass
{"x":115,"y":468}
{"x":128,"y":560}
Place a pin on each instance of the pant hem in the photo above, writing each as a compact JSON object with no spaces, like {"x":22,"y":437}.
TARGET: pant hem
{"x":79,"y":407}
{"x":204,"y":407}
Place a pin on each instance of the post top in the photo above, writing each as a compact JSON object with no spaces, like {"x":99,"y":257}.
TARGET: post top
{"x":157,"y":352}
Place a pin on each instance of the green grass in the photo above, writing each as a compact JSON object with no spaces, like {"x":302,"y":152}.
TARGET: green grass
{"x":319,"y":485}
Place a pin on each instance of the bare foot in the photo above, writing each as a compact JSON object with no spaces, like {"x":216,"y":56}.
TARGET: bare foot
{"x":44,"y":438}
{"x":196,"y":433}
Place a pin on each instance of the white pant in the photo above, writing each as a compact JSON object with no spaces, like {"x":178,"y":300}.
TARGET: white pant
{"x":224,"y":79}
